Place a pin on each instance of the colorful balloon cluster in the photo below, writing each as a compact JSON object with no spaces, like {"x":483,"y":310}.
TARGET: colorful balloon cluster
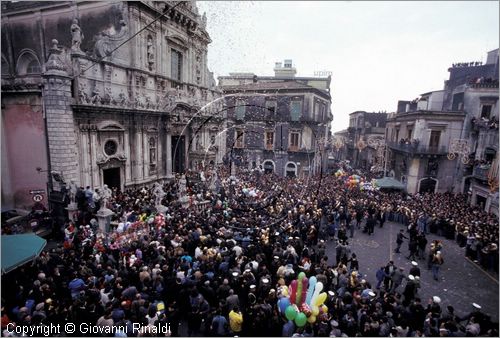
{"x":303,"y":301}
{"x":354,"y":181}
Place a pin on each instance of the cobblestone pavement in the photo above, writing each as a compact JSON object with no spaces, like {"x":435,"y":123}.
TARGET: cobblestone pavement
{"x":461,"y":281}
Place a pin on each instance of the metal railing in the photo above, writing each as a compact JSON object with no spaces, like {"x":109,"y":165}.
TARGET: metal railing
{"x":481,"y":173}
{"x":418,"y":148}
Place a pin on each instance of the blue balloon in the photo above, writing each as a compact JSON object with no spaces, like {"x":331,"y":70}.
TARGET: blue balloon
{"x":310,"y":290}
{"x":283,"y":304}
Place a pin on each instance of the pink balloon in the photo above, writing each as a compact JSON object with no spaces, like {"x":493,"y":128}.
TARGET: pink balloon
{"x":293,"y":291}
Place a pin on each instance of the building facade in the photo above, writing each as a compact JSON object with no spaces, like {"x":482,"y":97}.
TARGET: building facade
{"x":418,"y":145}
{"x":112,"y":93}
{"x":366,"y":140}
{"x":281,"y":123}
{"x":447,"y":140}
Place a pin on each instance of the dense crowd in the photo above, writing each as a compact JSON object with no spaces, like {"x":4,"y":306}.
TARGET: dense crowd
{"x":220,"y":270}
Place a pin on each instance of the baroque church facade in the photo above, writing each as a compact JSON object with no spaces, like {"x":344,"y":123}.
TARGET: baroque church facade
{"x":115,"y":93}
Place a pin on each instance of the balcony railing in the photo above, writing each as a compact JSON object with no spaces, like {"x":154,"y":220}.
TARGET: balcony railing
{"x":417,"y":149}
{"x":481,"y":172}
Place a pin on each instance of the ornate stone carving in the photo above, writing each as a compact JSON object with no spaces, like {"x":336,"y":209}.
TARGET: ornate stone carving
{"x":140,"y":81}
{"x":82,"y":94}
{"x":108,"y":40}
{"x":96,"y":97}
{"x":123,"y":100}
{"x":55,"y":64}
{"x":198,"y":66}
{"x":108,"y":98}
{"x":150,"y":53}
{"x":149,"y":103}
{"x":108,"y":70}
{"x":139,"y":101}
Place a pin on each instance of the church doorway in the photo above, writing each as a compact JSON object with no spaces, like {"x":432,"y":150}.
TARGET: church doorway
{"x":427,"y":185}
{"x":111,"y":177}
{"x":178,"y":154}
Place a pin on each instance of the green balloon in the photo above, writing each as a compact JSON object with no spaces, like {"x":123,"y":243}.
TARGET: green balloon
{"x":300,"y":319}
{"x":301,"y":276}
{"x":290,"y":312}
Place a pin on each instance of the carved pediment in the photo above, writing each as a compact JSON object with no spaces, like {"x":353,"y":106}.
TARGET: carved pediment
{"x":110,"y":126}
{"x":177,"y":40}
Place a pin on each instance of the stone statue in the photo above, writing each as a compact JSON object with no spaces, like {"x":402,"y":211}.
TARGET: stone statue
{"x":123,"y":100}
{"x":105,"y":196}
{"x":150,"y":53}
{"x":76,"y":36}
{"x":73,"y":188}
{"x":182,"y":186}
{"x":159,"y":193}
{"x":214,"y":184}
{"x":96,"y":98}
{"x":107,"y":98}
{"x":84,"y":98}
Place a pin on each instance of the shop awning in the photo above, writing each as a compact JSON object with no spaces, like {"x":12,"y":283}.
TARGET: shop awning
{"x":389,"y":183}
{"x":20,"y":249}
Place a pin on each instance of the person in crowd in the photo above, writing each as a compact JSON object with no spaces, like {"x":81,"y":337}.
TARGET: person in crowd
{"x":399,"y":240}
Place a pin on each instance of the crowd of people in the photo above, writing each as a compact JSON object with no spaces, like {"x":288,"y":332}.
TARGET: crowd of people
{"x":220,"y":270}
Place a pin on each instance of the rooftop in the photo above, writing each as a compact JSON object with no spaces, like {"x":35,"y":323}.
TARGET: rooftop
{"x":273,"y":86}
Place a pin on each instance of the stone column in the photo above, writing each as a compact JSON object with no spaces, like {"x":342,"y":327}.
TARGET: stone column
{"x":57,"y":98}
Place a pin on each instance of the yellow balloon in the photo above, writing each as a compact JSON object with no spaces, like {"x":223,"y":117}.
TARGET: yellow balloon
{"x":311,"y":319}
{"x":325,"y":308}
{"x":321,"y":299}
{"x":284,"y":291}
{"x":315,"y":310}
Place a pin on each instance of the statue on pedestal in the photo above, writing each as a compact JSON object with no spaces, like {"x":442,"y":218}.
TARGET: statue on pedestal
{"x":76,"y":36}
{"x":182,"y":187}
{"x":159,"y":193}
{"x":72,"y":188}
{"x":105,"y":196}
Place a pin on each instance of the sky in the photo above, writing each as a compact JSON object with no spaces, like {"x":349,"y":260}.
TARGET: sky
{"x":378,"y":52}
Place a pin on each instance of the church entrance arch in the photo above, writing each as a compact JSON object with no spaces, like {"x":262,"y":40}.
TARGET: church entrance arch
{"x":268,"y":166}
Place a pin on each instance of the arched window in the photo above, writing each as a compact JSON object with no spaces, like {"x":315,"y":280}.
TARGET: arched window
{"x":28,"y":64}
{"x":33,"y":67}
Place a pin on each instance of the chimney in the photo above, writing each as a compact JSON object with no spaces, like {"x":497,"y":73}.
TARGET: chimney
{"x":287,"y":71}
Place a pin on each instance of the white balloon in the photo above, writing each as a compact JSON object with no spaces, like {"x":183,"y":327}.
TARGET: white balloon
{"x":317,"y":290}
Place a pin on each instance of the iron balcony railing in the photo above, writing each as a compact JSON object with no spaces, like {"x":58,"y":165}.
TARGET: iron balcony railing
{"x":481,"y":172}
{"x":418,"y":149}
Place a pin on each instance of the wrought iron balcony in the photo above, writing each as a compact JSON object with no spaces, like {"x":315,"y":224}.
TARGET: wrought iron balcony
{"x":418,"y":149}
{"x":481,"y":172}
